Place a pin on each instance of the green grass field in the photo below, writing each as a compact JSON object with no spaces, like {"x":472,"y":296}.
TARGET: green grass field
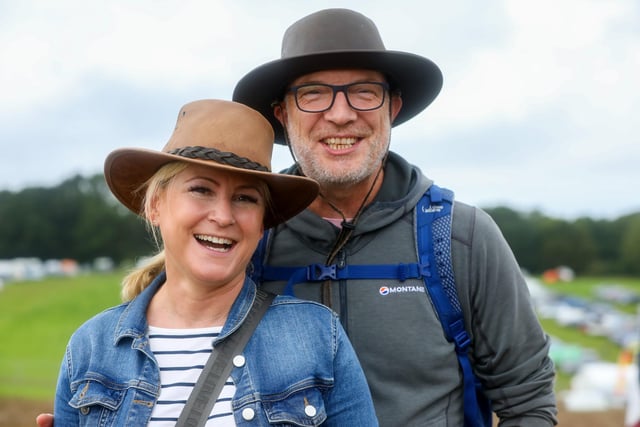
{"x":37,"y":318}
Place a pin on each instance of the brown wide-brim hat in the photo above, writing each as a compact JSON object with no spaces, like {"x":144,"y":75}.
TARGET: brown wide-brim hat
{"x":338,"y":39}
{"x":223,"y":135}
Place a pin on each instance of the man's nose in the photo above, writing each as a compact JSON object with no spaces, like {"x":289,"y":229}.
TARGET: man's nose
{"x":341,"y":112}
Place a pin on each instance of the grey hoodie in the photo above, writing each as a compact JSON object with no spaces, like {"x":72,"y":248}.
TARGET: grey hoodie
{"x":411,"y":368}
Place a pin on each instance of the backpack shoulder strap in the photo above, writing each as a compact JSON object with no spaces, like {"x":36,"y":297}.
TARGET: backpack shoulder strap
{"x":433,"y":223}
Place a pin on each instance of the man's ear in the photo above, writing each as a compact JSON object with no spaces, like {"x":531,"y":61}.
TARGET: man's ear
{"x":396,"y":106}
{"x":279,"y":112}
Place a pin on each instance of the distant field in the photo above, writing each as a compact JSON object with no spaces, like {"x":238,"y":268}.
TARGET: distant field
{"x":37,"y":318}
{"x":584,"y":287}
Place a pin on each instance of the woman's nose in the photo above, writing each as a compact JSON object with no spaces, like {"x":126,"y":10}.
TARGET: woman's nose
{"x":222,"y":214}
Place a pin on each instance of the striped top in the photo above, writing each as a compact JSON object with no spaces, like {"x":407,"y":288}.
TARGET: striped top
{"x":181,"y":356}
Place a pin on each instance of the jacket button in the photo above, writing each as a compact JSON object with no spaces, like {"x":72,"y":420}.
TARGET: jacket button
{"x":310,"y":411}
{"x":85,"y":410}
{"x":238,"y":361}
{"x":248,"y":414}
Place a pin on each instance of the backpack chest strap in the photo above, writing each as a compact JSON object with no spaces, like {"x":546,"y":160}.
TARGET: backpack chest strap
{"x":321,"y":272}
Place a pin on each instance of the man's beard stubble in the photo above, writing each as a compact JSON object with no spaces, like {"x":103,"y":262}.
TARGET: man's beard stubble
{"x":340,"y":172}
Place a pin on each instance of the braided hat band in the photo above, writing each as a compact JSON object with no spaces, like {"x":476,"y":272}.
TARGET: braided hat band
{"x":225,"y":157}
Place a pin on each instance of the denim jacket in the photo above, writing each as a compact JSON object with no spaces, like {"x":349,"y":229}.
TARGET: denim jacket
{"x":300,"y":368}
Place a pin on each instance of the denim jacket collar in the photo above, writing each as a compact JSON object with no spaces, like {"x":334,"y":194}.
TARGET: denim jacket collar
{"x":133,"y":321}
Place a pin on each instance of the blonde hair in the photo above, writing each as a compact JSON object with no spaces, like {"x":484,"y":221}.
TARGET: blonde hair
{"x":140,"y":277}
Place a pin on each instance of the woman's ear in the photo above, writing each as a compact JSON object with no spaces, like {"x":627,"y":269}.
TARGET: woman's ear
{"x":153,"y":216}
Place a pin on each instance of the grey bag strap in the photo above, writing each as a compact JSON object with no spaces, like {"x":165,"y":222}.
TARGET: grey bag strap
{"x":218,"y":367}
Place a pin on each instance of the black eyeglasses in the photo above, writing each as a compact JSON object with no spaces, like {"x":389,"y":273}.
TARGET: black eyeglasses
{"x":319,"y":97}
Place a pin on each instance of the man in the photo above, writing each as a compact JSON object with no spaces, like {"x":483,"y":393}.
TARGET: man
{"x":332,"y":98}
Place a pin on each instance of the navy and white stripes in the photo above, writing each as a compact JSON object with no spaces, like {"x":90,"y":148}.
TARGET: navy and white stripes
{"x":181,"y":355}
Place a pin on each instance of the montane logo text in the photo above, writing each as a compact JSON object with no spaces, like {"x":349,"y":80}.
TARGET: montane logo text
{"x":386,"y":290}
{"x":432,"y":208}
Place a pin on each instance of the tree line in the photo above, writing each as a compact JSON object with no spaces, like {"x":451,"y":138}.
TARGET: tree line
{"x":80,"y":219}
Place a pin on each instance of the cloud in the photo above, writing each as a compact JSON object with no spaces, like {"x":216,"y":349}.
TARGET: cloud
{"x":537,"y":108}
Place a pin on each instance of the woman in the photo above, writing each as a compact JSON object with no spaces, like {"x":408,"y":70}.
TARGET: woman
{"x":208,"y":197}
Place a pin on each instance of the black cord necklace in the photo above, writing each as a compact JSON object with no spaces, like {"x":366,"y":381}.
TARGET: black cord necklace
{"x":347,"y":227}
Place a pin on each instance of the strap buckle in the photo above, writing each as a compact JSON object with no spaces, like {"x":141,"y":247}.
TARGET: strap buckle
{"x":316,"y":272}
{"x":460,"y":336}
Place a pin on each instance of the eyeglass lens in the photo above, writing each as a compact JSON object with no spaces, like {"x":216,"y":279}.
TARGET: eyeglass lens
{"x":320,"y":97}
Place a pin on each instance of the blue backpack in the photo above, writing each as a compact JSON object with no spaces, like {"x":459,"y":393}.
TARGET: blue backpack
{"x":434,"y":267}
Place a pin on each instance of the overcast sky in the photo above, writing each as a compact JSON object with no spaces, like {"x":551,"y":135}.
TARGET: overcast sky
{"x":539,"y":108}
